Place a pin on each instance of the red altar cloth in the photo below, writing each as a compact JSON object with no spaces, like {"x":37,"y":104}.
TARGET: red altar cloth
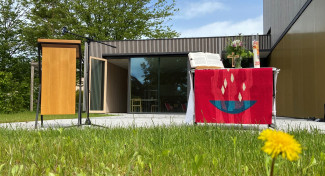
{"x":242,"y":96}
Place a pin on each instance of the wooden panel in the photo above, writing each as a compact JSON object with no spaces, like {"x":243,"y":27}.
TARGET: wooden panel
{"x":58,"y":41}
{"x":63,"y":46}
{"x":58,"y":81}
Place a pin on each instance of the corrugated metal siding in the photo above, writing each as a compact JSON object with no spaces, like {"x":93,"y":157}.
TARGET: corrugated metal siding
{"x":176,"y":45}
{"x":278,"y":14}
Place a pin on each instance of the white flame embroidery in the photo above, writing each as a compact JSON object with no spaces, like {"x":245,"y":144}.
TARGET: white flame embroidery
{"x":225,"y":83}
{"x":244,"y":86}
{"x":228,"y":69}
{"x":240,"y":97}
{"x":232,"y":78}
{"x":223,"y":90}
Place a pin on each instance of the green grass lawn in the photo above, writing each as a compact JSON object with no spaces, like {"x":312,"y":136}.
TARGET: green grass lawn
{"x":30,"y":116}
{"x":184,"y":150}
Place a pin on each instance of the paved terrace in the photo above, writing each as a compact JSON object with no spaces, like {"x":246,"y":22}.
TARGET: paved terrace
{"x":151,"y":120}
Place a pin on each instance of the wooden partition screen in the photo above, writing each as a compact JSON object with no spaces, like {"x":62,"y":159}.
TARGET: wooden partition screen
{"x":97,"y":86}
{"x":58,"y":83}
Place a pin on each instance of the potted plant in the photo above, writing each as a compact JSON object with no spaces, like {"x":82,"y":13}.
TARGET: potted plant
{"x":236,"y":52}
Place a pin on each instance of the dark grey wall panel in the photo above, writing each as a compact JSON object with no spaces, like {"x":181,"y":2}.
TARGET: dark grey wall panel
{"x":176,"y":45}
{"x":278,"y":14}
{"x":299,"y":55}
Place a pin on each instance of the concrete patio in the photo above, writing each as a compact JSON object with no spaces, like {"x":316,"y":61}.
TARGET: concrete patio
{"x":151,"y":120}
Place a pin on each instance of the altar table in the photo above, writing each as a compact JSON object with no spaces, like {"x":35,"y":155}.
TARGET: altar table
{"x":240,"y":96}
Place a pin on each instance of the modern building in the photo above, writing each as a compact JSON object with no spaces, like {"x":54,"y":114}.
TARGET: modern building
{"x":297,"y":30}
{"x":150,"y":76}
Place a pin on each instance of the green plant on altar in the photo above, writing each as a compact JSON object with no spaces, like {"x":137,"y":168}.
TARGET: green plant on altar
{"x":236,"y":52}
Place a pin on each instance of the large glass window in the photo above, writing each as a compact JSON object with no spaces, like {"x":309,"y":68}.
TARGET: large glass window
{"x":173,"y":84}
{"x":158,"y":84}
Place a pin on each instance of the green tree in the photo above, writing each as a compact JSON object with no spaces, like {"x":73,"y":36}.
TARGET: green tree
{"x":45,"y":19}
{"x":100,"y":19}
{"x":11,"y":14}
{"x":124,"y":19}
{"x":22,"y":22}
{"x":14,"y":66}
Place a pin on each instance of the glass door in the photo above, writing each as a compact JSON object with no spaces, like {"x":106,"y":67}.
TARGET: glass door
{"x":144,"y":84}
{"x":97,"y":80}
{"x":158,"y":84}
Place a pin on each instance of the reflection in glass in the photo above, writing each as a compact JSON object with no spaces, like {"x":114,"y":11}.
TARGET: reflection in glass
{"x":173,"y":84}
{"x":144,"y":84}
{"x":158,"y":84}
{"x":97,"y":85}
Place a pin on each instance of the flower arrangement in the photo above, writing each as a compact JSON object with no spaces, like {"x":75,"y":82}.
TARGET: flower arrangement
{"x":237,"y":52}
{"x":279,"y":143}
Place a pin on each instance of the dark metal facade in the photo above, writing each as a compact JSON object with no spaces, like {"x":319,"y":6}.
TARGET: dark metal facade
{"x":278,"y":14}
{"x":172,"y":46}
{"x":299,"y":56}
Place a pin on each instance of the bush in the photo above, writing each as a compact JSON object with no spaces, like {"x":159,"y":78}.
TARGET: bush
{"x":12,"y":93}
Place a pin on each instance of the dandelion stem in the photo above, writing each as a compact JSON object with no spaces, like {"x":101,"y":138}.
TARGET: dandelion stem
{"x":272,"y":166}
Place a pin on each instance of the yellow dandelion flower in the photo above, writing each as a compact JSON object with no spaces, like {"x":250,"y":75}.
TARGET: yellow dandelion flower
{"x":280,"y":143}
{"x":265,"y":134}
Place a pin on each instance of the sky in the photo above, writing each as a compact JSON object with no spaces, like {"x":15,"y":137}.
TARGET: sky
{"x":207,"y":18}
